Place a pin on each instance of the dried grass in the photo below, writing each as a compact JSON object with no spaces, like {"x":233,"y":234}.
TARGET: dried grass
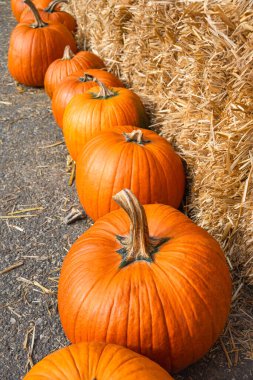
{"x":192,"y":62}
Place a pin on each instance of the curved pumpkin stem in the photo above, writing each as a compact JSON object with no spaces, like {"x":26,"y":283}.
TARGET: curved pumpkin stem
{"x":68,"y":53}
{"x":104,"y":92}
{"x":138,"y":245}
{"x":51,"y":6}
{"x":136,"y":136}
{"x":39,"y":23}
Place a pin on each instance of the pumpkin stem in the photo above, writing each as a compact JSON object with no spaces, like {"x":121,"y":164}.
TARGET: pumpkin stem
{"x":138,"y":245}
{"x":68,"y":53}
{"x":38,"y":21}
{"x":51,"y":6}
{"x":136,"y":136}
{"x":104,"y":92}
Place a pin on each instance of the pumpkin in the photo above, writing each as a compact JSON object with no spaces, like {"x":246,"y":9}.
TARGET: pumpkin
{"x":51,"y":13}
{"x":78,"y":83}
{"x":100,"y":109}
{"x":18,"y":6}
{"x":67,"y":65}
{"x":140,"y":160}
{"x":96,"y":361}
{"x":34,"y":46}
{"x":159,"y":285}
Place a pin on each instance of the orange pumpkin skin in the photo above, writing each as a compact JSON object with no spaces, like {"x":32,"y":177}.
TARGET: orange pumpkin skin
{"x":88,"y":114}
{"x":18,"y":6}
{"x":109,"y":163}
{"x":96,"y":361}
{"x":55,"y":16}
{"x":67,"y":65}
{"x":76,"y":84}
{"x":32,"y":50}
{"x":171,"y":309}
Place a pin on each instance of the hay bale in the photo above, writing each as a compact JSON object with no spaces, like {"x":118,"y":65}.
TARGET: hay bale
{"x":192,"y":62}
{"x":100,"y":24}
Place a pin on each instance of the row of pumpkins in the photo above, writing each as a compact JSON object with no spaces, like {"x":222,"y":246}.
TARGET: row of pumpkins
{"x":144,"y":278}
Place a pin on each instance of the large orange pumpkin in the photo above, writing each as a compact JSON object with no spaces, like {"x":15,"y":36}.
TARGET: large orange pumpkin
{"x":18,"y":6}
{"x":140,"y":160}
{"x":159,"y":286}
{"x":52,"y":13}
{"x":34,"y":46}
{"x":100,"y":109}
{"x":67,"y":65}
{"x":96,"y":361}
{"x":78,"y":83}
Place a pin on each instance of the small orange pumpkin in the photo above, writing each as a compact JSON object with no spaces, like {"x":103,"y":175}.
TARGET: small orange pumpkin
{"x":139,"y":159}
{"x":67,"y":65}
{"x":96,"y":361}
{"x":18,"y":6}
{"x":78,"y":83}
{"x":159,"y":286}
{"x":52,"y":13}
{"x":34,"y":46}
{"x":100,"y":109}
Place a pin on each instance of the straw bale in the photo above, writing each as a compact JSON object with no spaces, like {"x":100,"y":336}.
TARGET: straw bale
{"x":192,"y":63}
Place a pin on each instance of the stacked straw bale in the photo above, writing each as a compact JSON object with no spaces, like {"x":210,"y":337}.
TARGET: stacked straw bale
{"x":192,"y":63}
